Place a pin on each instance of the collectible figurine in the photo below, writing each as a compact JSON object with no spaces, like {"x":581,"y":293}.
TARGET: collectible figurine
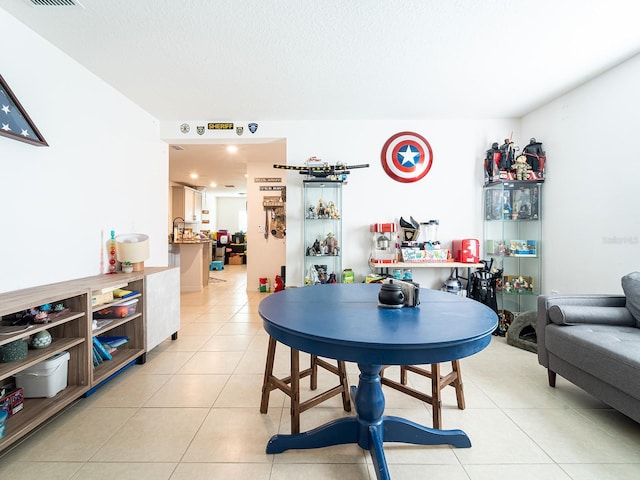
{"x":492,"y":161}
{"x":332,"y":244}
{"x":320,"y":209}
{"x":507,"y":154}
{"x":332,"y":278}
{"x":316,"y":248}
{"x":521,"y":167}
{"x":332,"y":211}
{"x":311,"y":212}
{"x":533,"y":152}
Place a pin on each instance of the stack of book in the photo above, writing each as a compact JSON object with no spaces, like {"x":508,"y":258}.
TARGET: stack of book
{"x":104,"y":347}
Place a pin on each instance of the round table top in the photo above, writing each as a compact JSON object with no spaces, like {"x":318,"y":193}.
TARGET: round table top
{"x":344,"y":321}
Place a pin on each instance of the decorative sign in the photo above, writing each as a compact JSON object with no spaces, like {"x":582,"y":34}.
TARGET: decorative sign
{"x":267,"y":179}
{"x":406,"y":157}
{"x":253,"y":127}
{"x":184,"y":128}
{"x":273,"y":188}
{"x":220,"y":126}
{"x":14,"y":121}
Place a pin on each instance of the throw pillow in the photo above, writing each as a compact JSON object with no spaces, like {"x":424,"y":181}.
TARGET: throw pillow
{"x":631,"y":288}
{"x":577,"y":314}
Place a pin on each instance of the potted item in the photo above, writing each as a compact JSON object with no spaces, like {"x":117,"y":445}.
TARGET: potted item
{"x":127,"y":267}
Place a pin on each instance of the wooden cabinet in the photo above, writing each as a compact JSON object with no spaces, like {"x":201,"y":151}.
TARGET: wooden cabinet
{"x":187,"y":203}
{"x":72,"y":330}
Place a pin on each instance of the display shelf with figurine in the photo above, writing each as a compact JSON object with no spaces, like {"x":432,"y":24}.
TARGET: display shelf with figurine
{"x":322,"y":231}
{"x":513,"y":241}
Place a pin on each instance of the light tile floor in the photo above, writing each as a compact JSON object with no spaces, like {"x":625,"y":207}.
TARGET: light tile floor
{"x":192,"y":412}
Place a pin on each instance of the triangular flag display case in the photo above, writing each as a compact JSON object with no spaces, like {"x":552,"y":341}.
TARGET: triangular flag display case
{"x":14,"y":120}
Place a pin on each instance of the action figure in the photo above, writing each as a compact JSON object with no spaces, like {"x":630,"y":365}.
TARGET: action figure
{"x":320,"y":209}
{"x":533,"y":152}
{"x":507,"y":152}
{"x":492,"y":161}
{"x":521,"y":167}
{"x":332,"y":244}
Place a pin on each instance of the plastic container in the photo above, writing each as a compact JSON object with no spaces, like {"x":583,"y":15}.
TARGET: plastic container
{"x":120,"y":310}
{"x":46,"y":378}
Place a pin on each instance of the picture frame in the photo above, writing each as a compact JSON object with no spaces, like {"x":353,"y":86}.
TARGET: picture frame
{"x":15,"y":123}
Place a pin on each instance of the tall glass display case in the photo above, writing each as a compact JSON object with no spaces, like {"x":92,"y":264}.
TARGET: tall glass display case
{"x":513,"y":242}
{"x":322,"y":231}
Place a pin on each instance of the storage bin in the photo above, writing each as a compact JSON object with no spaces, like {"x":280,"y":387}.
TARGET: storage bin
{"x":121,"y":310}
{"x":46,"y":378}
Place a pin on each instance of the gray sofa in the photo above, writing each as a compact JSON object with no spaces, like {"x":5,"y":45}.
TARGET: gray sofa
{"x":594,"y":342}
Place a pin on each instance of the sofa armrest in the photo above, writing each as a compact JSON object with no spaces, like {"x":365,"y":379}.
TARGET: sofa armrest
{"x":545,"y":302}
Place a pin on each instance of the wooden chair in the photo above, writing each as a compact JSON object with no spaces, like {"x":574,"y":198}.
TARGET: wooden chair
{"x":438,"y":382}
{"x":291,"y":385}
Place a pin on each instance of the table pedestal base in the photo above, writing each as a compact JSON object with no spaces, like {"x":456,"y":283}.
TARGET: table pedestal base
{"x":369,"y":429}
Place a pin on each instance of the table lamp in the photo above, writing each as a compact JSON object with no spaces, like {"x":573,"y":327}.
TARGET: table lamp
{"x":134,"y":248}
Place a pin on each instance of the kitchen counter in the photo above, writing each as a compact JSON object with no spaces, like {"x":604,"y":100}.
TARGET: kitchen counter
{"x":193,"y":257}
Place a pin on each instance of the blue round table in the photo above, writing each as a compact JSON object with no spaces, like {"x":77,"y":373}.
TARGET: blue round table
{"x":344,"y":322}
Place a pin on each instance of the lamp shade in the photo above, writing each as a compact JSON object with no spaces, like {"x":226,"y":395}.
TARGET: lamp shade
{"x":132,"y":247}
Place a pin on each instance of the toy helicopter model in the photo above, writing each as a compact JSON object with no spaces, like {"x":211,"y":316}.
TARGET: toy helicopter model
{"x":319,"y":169}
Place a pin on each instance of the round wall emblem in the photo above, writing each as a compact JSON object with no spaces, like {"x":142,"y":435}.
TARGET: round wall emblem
{"x":406,"y":157}
{"x":184,"y":128}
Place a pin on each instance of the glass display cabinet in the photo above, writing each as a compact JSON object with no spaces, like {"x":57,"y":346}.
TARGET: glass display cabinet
{"x":322,"y":237}
{"x":513,"y":242}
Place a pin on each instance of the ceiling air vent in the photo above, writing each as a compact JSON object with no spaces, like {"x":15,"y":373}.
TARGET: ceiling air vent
{"x":54,"y":3}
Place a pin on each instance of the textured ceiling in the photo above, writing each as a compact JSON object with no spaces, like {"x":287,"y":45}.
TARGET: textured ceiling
{"x":263,"y":60}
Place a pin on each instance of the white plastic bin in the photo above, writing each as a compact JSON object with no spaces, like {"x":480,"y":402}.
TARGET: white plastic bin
{"x":46,"y":378}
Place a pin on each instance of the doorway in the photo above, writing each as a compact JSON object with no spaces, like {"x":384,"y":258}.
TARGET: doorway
{"x":232,"y":177}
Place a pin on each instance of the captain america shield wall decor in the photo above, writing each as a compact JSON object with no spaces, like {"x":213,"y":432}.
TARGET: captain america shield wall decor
{"x":406,"y":157}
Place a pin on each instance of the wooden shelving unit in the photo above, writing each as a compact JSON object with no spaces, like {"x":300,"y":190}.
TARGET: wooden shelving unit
{"x":73,"y":332}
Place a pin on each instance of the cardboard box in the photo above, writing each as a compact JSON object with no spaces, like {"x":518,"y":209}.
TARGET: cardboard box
{"x":235,"y":260}
{"x":98,"y":298}
{"x":13,"y":401}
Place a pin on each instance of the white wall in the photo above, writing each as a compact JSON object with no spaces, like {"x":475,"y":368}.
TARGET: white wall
{"x":451,"y":192}
{"x":227,"y":210}
{"x":591,"y":235}
{"x":265,"y":255}
{"x":105,"y":168}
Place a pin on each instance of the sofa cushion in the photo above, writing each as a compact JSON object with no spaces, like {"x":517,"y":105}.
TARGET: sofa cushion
{"x":580,"y":314}
{"x":607,"y":352}
{"x":631,"y":288}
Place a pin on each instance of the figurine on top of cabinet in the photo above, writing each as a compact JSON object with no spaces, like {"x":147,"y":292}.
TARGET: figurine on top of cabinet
{"x":536,"y":157}
{"x":521,"y":167}
{"x":492,"y":162}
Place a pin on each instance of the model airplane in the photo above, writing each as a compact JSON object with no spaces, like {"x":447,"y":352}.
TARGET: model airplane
{"x":322,"y":170}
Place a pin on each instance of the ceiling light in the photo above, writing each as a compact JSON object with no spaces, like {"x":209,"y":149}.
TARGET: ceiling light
{"x":213,"y":184}
{"x":194,"y":175}
{"x":232,"y":148}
